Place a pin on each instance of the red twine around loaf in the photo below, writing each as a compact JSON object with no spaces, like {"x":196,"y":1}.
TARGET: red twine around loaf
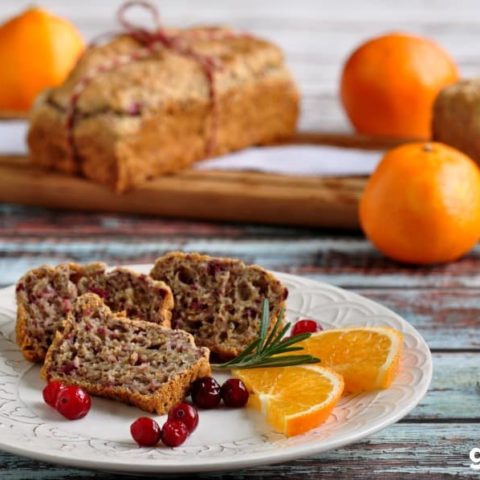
{"x":151,"y":41}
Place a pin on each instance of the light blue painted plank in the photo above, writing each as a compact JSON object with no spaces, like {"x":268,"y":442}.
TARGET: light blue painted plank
{"x":455,"y":389}
{"x":424,"y":451}
{"x":348,"y":262}
{"x":447,"y":318}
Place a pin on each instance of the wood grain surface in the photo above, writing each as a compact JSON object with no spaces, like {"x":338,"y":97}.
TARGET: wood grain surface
{"x":240,"y":196}
{"x":210,"y":195}
{"x":442,"y":302}
{"x":406,"y":450}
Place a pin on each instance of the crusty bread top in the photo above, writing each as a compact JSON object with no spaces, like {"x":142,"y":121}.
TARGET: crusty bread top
{"x":167,"y":78}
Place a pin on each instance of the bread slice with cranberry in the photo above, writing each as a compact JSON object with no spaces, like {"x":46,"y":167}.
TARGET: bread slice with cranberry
{"x":137,"y":362}
{"x":45,"y":296}
{"x":219,"y":300}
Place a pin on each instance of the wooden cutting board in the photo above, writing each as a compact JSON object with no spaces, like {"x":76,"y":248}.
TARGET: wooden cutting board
{"x":208,"y":195}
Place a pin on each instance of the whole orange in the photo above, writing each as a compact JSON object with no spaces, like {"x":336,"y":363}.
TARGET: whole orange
{"x":389,"y":84}
{"x":422,"y":204}
{"x":37,"y":50}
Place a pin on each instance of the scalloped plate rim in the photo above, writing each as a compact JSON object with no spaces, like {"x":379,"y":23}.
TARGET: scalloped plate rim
{"x":289,"y":453}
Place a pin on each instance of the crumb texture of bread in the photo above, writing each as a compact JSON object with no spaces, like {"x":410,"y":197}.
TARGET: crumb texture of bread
{"x":45,"y":296}
{"x":137,"y":362}
{"x":154,"y":116}
{"x":219,"y":300}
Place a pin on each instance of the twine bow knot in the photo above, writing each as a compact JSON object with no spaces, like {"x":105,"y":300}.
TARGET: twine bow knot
{"x":150,"y":41}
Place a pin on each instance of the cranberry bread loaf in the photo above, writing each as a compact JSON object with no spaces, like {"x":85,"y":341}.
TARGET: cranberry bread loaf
{"x":134,"y":361}
{"x":155,"y":115}
{"x":45,"y":296}
{"x":218,"y":300}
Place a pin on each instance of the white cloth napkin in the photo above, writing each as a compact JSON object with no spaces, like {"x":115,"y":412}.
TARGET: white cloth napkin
{"x":12,"y":137}
{"x":302,"y":160}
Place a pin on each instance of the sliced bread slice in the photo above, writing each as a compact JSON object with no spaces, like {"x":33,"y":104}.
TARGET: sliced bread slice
{"x":133,"y":361}
{"x":219,"y":300}
{"x":45,"y":296}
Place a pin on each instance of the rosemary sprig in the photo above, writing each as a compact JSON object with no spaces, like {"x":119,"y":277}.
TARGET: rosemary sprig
{"x":263,"y":351}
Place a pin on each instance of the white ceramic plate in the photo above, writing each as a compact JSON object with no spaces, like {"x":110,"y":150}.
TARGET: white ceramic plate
{"x":225,"y":439}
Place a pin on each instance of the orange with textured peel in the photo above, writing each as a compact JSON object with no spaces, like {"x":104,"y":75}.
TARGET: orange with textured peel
{"x":294,"y":399}
{"x":366,"y":357}
{"x":389,"y":84}
{"x":37,"y":50}
{"x":422,"y":204}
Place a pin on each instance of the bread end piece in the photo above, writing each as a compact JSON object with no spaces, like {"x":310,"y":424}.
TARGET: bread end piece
{"x":29,"y":348}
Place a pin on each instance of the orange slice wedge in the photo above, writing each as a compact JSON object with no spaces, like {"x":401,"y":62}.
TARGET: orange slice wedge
{"x":367,"y":357}
{"x":294,"y":399}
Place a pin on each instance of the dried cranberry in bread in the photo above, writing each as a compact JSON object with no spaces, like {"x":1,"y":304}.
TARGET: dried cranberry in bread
{"x":134,"y":361}
{"x":45,"y":296}
{"x":219,"y":300}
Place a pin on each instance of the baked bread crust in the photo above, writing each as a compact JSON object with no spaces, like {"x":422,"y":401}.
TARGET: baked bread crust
{"x":59,"y":287}
{"x":219,"y":300}
{"x":169,"y":394}
{"x":153,"y":116}
{"x":30,"y":349}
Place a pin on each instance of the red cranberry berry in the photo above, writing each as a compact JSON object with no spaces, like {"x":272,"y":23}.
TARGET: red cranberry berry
{"x":186,"y":413}
{"x":206,"y":392}
{"x":234,"y":393}
{"x":146,"y":431}
{"x":51,"y":391}
{"x":174,"y":433}
{"x":305,"y":326}
{"x":73,"y":402}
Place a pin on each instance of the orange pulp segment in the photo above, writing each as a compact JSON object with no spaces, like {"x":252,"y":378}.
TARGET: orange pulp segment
{"x":367,"y":357}
{"x":294,"y":399}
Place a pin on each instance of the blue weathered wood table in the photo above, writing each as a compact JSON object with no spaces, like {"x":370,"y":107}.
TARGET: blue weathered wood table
{"x":442,"y":302}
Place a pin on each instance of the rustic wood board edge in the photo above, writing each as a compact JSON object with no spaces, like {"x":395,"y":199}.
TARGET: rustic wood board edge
{"x":207,"y":195}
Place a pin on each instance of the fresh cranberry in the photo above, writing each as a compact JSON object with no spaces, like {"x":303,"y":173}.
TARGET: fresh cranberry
{"x":234,"y":393}
{"x":186,"y":413}
{"x":51,"y":391}
{"x":73,"y":402}
{"x":146,"y":431}
{"x":305,"y":326}
{"x":174,"y":433}
{"x":206,"y":392}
